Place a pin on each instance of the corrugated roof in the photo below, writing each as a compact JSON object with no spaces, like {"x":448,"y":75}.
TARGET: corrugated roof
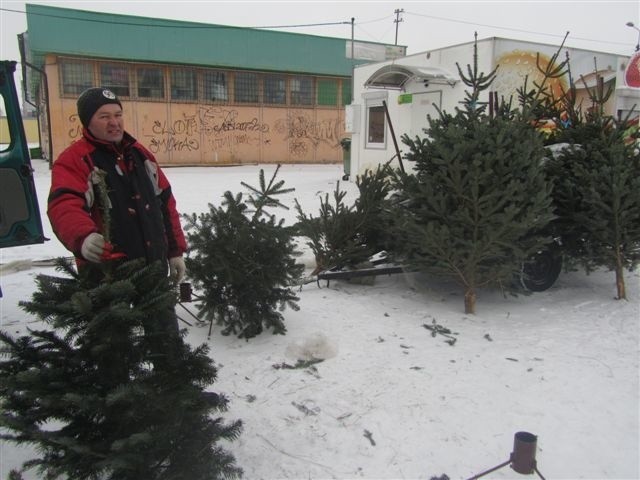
{"x":102,"y":35}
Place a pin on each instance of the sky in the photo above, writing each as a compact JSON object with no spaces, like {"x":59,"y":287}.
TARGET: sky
{"x":423,"y":25}
{"x":419,"y":25}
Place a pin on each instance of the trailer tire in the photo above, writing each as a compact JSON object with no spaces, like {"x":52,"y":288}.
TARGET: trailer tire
{"x":541,"y":271}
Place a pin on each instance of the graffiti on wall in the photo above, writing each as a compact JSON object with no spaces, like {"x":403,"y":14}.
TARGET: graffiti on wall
{"x":213,"y":127}
{"x":175,"y":136}
{"x":76,"y":127}
{"x":303,"y":133}
{"x":226,"y":129}
{"x":221,"y":120}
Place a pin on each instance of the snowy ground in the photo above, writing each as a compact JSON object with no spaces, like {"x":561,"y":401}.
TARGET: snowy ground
{"x":391,"y":401}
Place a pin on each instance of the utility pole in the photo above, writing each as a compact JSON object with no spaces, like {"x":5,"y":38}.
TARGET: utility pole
{"x":397,"y":21}
{"x":353,"y":60}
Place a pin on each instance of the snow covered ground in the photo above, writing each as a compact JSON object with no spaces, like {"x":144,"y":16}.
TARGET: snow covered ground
{"x":390,"y":400}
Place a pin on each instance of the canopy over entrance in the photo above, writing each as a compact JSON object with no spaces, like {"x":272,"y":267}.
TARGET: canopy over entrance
{"x":395,"y":77}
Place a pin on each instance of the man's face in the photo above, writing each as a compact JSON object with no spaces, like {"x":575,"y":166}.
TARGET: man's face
{"x":107,"y":123}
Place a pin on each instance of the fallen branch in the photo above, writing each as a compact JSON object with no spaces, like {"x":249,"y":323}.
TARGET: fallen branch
{"x":369,"y":436}
{"x":440,"y":330}
{"x":299,"y":364}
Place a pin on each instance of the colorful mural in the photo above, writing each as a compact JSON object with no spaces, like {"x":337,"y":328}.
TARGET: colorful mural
{"x":518,"y":64}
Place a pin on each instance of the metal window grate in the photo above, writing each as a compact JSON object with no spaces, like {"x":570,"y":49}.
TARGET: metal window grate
{"x":246,"y":88}
{"x":115,"y":78}
{"x":302,"y":90}
{"x":183,"y":84}
{"x":150,"y":82}
{"x":327,"y":92}
{"x":346,"y":92}
{"x":77,"y":76}
{"x":213,"y":87}
{"x":207,"y":86}
{"x":275,"y":90}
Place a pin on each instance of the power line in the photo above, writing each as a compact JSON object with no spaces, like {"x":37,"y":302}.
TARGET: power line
{"x":176,"y":24}
{"x":512,"y":29}
{"x":377,"y":20}
{"x":200,"y":26}
{"x":378,"y":37}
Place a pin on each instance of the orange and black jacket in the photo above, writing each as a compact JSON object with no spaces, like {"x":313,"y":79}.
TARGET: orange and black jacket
{"x":143,"y":219}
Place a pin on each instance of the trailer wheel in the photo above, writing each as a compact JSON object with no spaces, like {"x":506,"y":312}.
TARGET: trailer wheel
{"x":542,"y":270}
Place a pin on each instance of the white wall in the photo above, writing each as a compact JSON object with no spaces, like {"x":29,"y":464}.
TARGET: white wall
{"x":410,"y":118}
{"x":517,"y":59}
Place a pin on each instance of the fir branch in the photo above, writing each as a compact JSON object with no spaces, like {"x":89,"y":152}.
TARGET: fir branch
{"x":98,"y":178}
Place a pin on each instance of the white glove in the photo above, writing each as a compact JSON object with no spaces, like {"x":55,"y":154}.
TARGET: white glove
{"x":177,"y":269}
{"x":92,"y":247}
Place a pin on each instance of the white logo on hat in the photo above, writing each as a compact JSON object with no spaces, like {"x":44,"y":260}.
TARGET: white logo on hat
{"x":109,"y":94}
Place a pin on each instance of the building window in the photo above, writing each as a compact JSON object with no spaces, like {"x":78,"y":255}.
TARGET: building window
{"x":115,"y":78}
{"x":275,"y":90}
{"x":301,"y":91}
{"x":346,"y":92}
{"x":327,"y":92}
{"x":375,"y":126}
{"x":183,"y":84}
{"x":214,"y":86}
{"x":150,"y":82}
{"x":76,"y":76}
{"x":246,"y":88}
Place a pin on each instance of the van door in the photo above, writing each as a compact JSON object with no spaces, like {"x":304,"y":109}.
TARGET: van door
{"x":20,"y":222}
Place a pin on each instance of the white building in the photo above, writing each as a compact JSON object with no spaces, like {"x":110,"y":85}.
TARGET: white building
{"x":413,"y":86}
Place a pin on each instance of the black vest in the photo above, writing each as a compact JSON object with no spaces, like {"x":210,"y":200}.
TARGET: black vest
{"x":136,"y":215}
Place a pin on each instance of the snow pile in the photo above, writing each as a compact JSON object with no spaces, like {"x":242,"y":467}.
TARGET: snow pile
{"x":317,"y":346}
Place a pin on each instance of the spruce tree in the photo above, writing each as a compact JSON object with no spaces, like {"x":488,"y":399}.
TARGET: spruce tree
{"x":597,"y":196}
{"x":101,"y":394}
{"x":478,"y":200}
{"x":374,"y":188}
{"x":333,"y":235}
{"x":596,"y":179}
{"x":342,"y":235}
{"x":243,"y":261}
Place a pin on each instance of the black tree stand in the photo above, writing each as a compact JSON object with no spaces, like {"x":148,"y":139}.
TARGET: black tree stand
{"x":522,"y":459}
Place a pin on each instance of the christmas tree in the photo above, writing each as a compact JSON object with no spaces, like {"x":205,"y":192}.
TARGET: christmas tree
{"x":342,"y":235}
{"x":597,"y":192}
{"x":104,"y":393}
{"x":595,"y":170}
{"x":243,"y":261}
{"x":478,"y":199}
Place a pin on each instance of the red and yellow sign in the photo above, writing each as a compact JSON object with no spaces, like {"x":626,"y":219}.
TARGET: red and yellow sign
{"x":632,"y":72}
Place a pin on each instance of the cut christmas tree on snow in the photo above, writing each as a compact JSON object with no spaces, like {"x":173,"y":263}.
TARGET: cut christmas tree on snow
{"x":243,"y":260}
{"x":478,"y":198}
